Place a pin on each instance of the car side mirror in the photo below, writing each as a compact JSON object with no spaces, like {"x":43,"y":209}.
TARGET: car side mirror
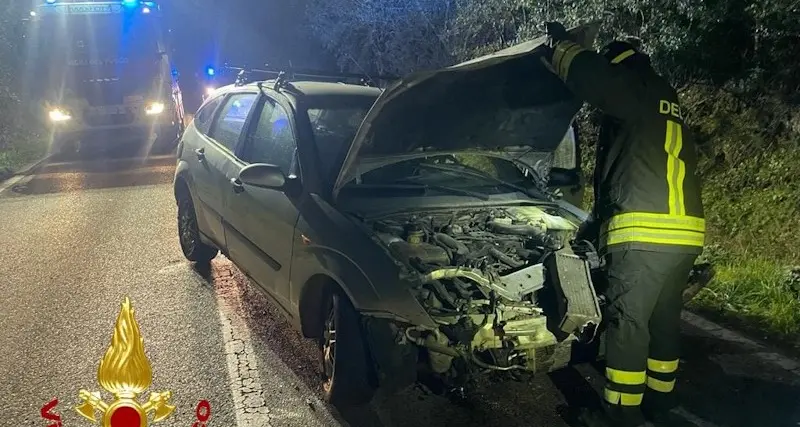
{"x":263,"y":175}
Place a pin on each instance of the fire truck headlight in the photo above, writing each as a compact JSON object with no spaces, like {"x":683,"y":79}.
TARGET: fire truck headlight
{"x":59,"y":115}
{"x":154,"y":108}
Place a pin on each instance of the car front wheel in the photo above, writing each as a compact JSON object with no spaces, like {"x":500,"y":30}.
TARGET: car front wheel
{"x":348,"y":373}
{"x":189,"y":235}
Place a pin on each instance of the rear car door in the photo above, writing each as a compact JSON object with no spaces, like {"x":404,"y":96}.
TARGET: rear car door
{"x":215,"y":158}
{"x":260,"y":223}
{"x":195,"y":142}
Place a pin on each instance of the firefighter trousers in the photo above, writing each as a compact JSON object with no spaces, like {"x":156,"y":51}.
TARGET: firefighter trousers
{"x":644,"y":299}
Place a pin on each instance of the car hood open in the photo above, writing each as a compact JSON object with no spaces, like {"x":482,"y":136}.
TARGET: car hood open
{"x":505,"y":102}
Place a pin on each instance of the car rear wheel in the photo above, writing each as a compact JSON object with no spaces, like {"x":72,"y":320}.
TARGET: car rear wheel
{"x":348,"y":372}
{"x":189,"y":235}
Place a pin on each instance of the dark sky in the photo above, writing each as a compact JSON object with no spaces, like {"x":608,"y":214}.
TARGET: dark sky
{"x":245,"y":32}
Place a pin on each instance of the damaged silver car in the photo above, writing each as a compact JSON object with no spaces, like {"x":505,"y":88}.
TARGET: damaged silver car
{"x":428,"y":238}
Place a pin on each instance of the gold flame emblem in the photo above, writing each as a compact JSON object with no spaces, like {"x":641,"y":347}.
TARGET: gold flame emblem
{"x":125,"y":372}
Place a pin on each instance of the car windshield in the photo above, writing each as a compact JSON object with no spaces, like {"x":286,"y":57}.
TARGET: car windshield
{"x":466,"y":174}
{"x":334,"y":123}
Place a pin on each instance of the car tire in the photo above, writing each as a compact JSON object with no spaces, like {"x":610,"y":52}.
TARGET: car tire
{"x":346,"y":364}
{"x":189,"y":234}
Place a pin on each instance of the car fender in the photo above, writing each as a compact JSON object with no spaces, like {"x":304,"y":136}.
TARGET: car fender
{"x":330,"y":245}
{"x":182,"y":174}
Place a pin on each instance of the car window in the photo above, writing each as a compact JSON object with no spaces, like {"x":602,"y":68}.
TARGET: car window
{"x":231,"y":121}
{"x":273,"y":139}
{"x":202,"y":120}
{"x":334,"y":128}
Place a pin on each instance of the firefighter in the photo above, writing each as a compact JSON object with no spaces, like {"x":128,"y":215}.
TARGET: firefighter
{"x":647,"y":219}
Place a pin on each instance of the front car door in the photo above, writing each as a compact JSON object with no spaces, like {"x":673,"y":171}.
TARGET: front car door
{"x":260,"y":223}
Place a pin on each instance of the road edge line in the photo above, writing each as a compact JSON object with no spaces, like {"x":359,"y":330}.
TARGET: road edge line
{"x":244,"y":380}
{"x":768,"y":355}
{"x":22,"y":172}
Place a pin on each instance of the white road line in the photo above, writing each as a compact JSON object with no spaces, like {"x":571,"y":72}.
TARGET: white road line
{"x":717,"y":331}
{"x":10,"y":182}
{"x":280,"y":397}
{"x":245,"y":381}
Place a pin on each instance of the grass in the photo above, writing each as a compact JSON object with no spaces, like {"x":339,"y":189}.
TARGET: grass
{"x":18,"y":155}
{"x":758,"y":293}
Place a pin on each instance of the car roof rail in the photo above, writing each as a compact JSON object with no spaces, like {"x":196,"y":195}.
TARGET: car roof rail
{"x":282,"y":77}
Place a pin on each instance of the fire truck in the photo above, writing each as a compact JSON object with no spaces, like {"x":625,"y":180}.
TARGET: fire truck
{"x":101,"y":74}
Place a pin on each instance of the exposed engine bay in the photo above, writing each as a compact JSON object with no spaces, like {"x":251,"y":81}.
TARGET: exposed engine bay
{"x":505,"y":286}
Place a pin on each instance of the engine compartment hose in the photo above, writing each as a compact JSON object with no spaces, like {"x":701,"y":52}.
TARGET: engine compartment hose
{"x":442,"y":293}
{"x":450,"y":242}
{"x":450,"y":273}
{"x":485,"y":365}
{"x":431,"y":344}
{"x":517,"y":229}
{"x":505,"y":258}
{"x":525,"y":230}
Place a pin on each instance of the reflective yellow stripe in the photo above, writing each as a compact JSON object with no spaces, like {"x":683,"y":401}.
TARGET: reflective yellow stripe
{"x":564,"y":53}
{"x":676,"y":168}
{"x":625,"y":377}
{"x":655,"y":236}
{"x":660,"y":386}
{"x":656,"y":220}
{"x":661,"y":366}
{"x":622,"y":56}
{"x":645,"y":227}
{"x":624,"y":399}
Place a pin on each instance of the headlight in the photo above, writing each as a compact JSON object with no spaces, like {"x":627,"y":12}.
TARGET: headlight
{"x":154,"y":108}
{"x":59,"y":115}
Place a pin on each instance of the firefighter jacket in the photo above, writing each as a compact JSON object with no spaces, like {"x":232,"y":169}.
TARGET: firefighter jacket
{"x":647,"y":192}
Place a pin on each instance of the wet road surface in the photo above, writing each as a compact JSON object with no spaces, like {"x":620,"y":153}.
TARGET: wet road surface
{"x":80,"y":234}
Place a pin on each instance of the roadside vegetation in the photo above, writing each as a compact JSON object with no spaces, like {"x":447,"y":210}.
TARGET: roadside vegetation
{"x":20,"y":135}
{"x":736,"y":68}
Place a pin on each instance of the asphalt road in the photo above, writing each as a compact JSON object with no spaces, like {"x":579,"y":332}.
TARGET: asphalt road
{"x":79,"y":235}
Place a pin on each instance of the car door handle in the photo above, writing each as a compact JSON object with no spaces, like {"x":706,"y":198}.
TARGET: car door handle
{"x":237,"y":185}
{"x":201,"y":154}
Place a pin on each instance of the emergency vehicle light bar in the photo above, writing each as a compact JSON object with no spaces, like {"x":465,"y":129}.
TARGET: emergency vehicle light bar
{"x":128,"y":3}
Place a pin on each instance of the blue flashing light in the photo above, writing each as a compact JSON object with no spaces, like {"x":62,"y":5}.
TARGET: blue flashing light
{"x":211,"y":71}
{"x":146,"y":10}
{"x":130,"y":2}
